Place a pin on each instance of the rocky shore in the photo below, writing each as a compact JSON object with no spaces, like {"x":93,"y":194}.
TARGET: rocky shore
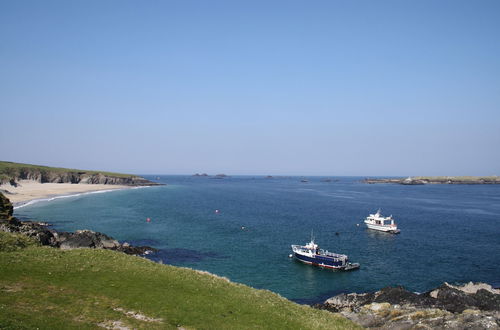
{"x":45,"y":235}
{"x":471,"y":306}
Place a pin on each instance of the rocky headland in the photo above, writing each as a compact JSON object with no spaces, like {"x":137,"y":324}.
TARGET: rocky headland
{"x":42,"y":233}
{"x":420,"y":180}
{"x":14,"y":172}
{"x":471,"y":306}
{"x":24,"y":182}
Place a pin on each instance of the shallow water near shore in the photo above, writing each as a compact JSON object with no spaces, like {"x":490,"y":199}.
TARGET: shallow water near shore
{"x":448,"y":232}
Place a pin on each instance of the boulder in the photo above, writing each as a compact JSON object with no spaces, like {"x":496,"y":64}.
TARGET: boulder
{"x":86,"y":239}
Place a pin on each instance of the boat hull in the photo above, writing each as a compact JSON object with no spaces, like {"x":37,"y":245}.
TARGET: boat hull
{"x":319,"y":261}
{"x":386,"y":229}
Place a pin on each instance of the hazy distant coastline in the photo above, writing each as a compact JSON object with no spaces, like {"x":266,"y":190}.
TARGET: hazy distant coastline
{"x":419,"y":180}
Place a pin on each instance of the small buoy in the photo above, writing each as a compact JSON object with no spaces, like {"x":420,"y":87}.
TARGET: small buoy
{"x":290,"y":255}
{"x":357,"y":224}
{"x":242,"y":227}
{"x":216,"y":211}
{"x":148,"y":220}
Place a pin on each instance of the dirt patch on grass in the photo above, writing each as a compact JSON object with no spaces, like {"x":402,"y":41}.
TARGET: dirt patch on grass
{"x":113,"y":325}
{"x":138,"y":316}
{"x":15,"y":287}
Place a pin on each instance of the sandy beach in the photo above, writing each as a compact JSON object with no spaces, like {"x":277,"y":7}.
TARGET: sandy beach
{"x":31,"y":190}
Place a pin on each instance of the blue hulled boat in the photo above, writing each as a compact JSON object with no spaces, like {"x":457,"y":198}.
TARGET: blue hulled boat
{"x":311,"y":254}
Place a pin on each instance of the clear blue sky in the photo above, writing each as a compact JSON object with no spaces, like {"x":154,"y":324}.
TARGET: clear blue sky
{"x":324,"y":87}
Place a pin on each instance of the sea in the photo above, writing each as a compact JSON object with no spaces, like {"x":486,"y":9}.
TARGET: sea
{"x":241,"y":227}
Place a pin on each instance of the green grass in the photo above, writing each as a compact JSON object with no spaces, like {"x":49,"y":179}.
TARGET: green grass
{"x":47,"y":288}
{"x":10,"y":170}
{"x":13,"y":242}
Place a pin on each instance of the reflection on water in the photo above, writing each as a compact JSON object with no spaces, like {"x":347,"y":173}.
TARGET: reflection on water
{"x":179,"y":255}
{"x":376,"y":234}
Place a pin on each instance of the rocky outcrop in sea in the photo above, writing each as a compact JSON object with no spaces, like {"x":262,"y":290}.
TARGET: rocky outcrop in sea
{"x":471,"y":306}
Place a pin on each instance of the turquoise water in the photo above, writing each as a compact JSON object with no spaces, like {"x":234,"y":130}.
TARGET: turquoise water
{"x":449,"y":232}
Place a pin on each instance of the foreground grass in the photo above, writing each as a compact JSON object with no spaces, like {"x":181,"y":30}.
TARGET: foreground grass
{"x":47,"y":288}
{"x":14,"y":242}
{"x":9,"y":170}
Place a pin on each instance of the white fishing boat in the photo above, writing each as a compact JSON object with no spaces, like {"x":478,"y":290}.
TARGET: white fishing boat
{"x":311,"y":254}
{"x":378,"y":222}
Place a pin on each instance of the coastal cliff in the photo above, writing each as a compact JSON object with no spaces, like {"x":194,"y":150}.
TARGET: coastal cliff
{"x":14,"y":172}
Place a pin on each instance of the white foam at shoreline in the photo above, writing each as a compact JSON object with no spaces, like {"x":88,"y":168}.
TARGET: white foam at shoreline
{"x":33,"y":201}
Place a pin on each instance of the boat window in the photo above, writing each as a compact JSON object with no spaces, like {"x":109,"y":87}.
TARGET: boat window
{"x":387,"y":222}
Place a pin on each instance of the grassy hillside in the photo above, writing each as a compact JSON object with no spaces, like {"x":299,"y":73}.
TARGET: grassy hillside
{"x":47,"y":288}
{"x":10,"y":169}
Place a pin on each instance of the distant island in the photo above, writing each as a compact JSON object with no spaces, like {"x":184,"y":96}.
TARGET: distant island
{"x":217,"y":176}
{"x":419,"y":180}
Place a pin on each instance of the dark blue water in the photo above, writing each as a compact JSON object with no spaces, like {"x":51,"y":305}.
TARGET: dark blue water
{"x":449,"y":232}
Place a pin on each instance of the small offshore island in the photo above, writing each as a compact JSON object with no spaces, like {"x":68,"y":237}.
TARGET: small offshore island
{"x":419,"y":180}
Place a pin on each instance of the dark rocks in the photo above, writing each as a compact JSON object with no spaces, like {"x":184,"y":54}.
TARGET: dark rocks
{"x":68,"y":240}
{"x":472,"y":306}
{"x":39,"y":232}
{"x":457,"y":299}
{"x":64,"y":240}
{"x":86,"y":239}
{"x":96,"y":240}
{"x":135,"y":250}
{"x":401,"y":296}
{"x":31,"y":229}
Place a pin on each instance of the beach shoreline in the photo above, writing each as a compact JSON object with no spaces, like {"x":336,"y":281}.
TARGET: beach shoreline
{"x":28,"y":192}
